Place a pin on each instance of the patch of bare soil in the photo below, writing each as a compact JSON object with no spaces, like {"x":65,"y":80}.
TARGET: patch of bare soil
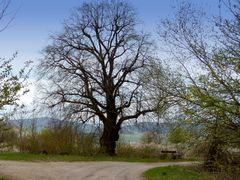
{"x":78,"y":170}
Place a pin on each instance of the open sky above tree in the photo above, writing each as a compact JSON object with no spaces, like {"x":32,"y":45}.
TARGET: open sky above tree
{"x":33,"y":21}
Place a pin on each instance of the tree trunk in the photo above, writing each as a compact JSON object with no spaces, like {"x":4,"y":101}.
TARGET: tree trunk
{"x":108,"y":139}
{"x":213,"y":156}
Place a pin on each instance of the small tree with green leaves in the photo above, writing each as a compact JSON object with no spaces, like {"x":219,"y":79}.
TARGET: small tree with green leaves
{"x":178,"y":135}
{"x":12,"y":85}
{"x":209,"y":95}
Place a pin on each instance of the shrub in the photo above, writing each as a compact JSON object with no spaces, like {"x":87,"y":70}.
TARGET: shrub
{"x":60,"y":137}
{"x":126,"y":150}
{"x":86,"y":143}
{"x":7,"y":138}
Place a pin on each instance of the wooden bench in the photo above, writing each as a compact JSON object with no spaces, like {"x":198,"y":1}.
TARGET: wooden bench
{"x":168,"y":152}
{"x":173,"y":154}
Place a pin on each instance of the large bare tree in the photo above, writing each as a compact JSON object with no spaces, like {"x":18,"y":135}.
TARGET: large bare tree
{"x":93,"y":66}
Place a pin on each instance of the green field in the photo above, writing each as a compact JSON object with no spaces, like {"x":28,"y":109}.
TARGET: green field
{"x":175,"y":173}
{"x":131,"y":138}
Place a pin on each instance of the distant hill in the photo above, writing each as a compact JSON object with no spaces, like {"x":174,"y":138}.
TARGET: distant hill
{"x":27,"y":123}
{"x":141,"y":127}
{"x":138,"y":128}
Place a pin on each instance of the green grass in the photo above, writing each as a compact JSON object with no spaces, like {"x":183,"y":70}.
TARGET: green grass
{"x":127,"y":138}
{"x":71,"y":158}
{"x":175,"y":173}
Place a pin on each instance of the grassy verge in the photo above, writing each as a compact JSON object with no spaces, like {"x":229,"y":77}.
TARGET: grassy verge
{"x":176,"y":173}
{"x":72,"y":158}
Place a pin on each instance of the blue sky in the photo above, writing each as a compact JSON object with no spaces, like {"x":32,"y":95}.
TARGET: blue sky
{"x":28,"y":33}
{"x":36,"y":19}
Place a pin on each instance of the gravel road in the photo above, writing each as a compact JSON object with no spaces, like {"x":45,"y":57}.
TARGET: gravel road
{"x":16,"y":170}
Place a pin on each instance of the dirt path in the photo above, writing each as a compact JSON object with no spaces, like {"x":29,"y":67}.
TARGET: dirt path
{"x":77,"y":170}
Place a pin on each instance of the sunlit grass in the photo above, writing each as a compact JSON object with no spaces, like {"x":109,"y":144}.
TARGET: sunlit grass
{"x":176,"y":173}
